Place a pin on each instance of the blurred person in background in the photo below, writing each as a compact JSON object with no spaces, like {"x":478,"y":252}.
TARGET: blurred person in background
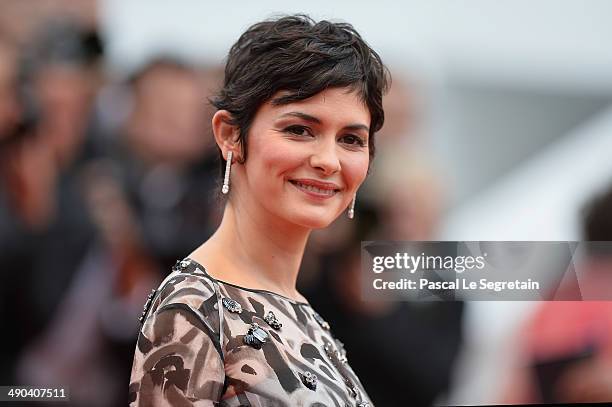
{"x":63,"y":75}
{"x":57,"y":91}
{"x":16,"y":220}
{"x":48,"y":229}
{"x":566,"y":347}
{"x":166,"y":163}
{"x":147,"y":190}
{"x":44,"y":226}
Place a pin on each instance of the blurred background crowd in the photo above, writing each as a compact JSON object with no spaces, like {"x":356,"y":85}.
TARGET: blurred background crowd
{"x":498,"y":127}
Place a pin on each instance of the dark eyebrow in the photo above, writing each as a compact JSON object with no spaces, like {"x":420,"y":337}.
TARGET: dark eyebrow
{"x":357,"y":127}
{"x":313,"y":119}
{"x":303,"y":116}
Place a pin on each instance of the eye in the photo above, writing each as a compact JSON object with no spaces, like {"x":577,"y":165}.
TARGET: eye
{"x":298,"y":130}
{"x":354,"y":140}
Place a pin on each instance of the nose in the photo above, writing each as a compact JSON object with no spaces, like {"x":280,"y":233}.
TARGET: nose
{"x":325,"y":158}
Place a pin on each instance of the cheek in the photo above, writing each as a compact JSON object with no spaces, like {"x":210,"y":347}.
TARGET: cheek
{"x":355,"y":170}
{"x":276,"y":159}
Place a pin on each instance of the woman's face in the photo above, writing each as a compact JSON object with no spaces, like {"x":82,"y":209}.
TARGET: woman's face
{"x":306,"y":159}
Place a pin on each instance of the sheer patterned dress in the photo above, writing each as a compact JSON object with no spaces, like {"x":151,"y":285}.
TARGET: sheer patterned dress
{"x":205,"y":342}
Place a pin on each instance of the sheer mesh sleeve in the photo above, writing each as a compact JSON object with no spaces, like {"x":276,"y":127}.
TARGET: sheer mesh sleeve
{"x":178,"y":359}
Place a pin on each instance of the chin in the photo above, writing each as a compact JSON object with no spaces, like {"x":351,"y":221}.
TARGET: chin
{"x":313,"y":220}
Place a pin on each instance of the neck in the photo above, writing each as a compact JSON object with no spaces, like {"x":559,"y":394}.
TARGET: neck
{"x":261,"y":252}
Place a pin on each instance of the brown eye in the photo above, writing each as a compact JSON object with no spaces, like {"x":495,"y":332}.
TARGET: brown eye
{"x":353,"y":140}
{"x":298,"y":130}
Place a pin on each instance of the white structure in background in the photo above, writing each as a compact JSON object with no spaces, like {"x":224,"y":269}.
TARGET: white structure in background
{"x":539,"y":201}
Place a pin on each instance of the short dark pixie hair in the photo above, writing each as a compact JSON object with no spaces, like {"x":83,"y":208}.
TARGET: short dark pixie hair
{"x":302,"y":57}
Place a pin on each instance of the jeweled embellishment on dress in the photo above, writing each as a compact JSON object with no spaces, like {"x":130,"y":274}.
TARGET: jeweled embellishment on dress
{"x":310,"y":380}
{"x":329,"y":350}
{"x":147,"y":305}
{"x":180,"y":265}
{"x":271,"y":320}
{"x":340,"y":351}
{"x":320,"y":320}
{"x":351,"y":387}
{"x":338,"y":354}
{"x":363,"y":404}
{"x":255,"y":336}
{"x":232,"y":305}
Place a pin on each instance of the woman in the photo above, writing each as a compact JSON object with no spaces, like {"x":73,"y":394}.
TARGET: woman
{"x":227,"y":327}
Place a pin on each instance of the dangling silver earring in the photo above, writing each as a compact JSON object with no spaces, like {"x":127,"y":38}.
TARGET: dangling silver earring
{"x":351,"y":211}
{"x":228,"y":165}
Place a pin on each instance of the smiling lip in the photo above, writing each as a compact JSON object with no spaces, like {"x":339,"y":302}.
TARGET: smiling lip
{"x":316,"y":189}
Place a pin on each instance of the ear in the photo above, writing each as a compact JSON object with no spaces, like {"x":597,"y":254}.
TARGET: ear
{"x":226,"y":134}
